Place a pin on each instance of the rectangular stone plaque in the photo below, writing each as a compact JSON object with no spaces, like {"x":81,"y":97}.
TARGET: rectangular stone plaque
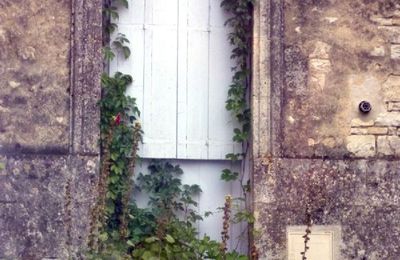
{"x":322,"y":243}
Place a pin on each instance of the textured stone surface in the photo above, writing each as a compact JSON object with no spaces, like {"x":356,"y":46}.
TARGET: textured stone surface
{"x":393,"y":106}
{"x":34,"y":68}
{"x":388,"y":119}
{"x":324,"y":58}
{"x":361,"y":145}
{"x":370,"y":131}
{"x":358,"y":122}
{"x":391,"y":88}
{"x":50,"y":84}
{"x":87,"y":51}
{"x":360,"y":196}
{"x":388,"y":145}
{"x":37,"y":216}
{"x":395,"y":51}
{"x":330,"y":66}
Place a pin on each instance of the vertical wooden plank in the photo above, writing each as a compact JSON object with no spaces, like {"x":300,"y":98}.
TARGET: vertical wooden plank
{"x":134,"y":14}
{"x":159,"y":119}
{"x":222,"y":122}
{"x":182,"y":109}
{"x":134,"y":65}
{"x":194,"y":33}
{"x":198,"y":14}
{"x":196,"y":128}
{"x":165,"y":12}
{"x":197,"y":95}
{"x":217,"y":15}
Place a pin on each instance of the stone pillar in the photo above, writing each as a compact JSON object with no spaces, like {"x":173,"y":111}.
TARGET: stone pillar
{"x":313,"y":63}
{"x":50,"y":67}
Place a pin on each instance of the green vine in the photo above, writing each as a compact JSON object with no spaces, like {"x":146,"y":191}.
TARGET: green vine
{"x":240,"y":22}
{"x":166,"y":229}
{"x":120,"y":135}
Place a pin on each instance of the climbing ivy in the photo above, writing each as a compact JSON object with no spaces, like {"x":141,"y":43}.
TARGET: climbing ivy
{"x":120,"y":135}
{"x":166,"y":229}
{"x":240,"y":22}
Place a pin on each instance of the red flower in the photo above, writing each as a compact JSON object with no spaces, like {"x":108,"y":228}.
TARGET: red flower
{"x":117,"y":119}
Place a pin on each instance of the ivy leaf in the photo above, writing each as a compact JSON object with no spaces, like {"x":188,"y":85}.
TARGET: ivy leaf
{"x":114,"y":156}
{"x":108,"y":54}
{"x":126,"y":51}
{"x":103,"y":237}
{"x":207,"y":213}
{"x":228,"y":175}
{"x":151,"y":239}
{"x":124,"y":3}
{"x":130,"y":243}
{"x":169,"y":239}
{"x":233,"y":156}
{"x":111,"y":27}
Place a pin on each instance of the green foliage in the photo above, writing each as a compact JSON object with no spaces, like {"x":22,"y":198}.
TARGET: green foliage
{"x":240,"y":22}
{"x":172,"y":210}
{"x":119,"y":44}
{"x":166,"y":229}
{"x":240,"y":38}
{"x":167,"y":195}
{"x":228,"y":175}
{"x":114,"y":101}
{"x":119,"y":112}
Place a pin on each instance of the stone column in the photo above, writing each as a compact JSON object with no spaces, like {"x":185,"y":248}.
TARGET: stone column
{"x":50,"y":67}
{"x":314,"y":62}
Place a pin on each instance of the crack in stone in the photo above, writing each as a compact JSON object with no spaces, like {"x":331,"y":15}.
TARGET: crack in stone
{"x":8,"y":201}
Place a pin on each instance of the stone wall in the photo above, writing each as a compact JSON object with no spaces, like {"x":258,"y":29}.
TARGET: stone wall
{"x":314,"y":62}
{"x":50,"y":65}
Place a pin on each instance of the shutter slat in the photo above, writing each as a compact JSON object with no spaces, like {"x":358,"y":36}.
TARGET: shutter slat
{"x":181,"y":69}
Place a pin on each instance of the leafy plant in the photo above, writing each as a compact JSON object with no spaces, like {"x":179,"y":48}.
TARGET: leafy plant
{"x":119,"y":43}
{"x":172,"y":210}
{"x":166,"y":228}
{"x":240,"y":22}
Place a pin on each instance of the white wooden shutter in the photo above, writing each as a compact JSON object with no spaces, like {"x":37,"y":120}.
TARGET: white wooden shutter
{"x":181,"y":67}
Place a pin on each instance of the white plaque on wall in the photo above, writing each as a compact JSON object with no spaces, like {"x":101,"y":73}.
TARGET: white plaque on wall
{"x":321,"y":244}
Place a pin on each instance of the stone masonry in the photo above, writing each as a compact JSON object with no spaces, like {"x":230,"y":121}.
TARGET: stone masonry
{"x":50,"y":66}
{"x":314,"y":61}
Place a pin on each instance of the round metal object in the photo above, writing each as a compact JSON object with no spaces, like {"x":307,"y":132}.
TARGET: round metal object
{"x":365,"y":107}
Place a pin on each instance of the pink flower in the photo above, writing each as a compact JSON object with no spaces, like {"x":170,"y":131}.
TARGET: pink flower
{"x":117,"y":119}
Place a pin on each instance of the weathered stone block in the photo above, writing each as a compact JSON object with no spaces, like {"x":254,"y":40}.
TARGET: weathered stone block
{"x":378,"y":51}
{"x":388,"y":145}
{"x":388,"y":119}
{"x":369,"y":130}
{"x":395,"y":51}
{"x":392,"y":130}
{"x":46,"y":188}
{"x":377,"y":130}
{"x":359,"y":195}
{"x":393,"y":106}
{"x":44,"y":205}
{"x":392,"y":33}
{"x":321,"y":51}
{"x":35,"y":74}
{"x":361,"y":145}
{"x":356,"y":122}
{"x":381,"y":20}
{"x":391,"y":89}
